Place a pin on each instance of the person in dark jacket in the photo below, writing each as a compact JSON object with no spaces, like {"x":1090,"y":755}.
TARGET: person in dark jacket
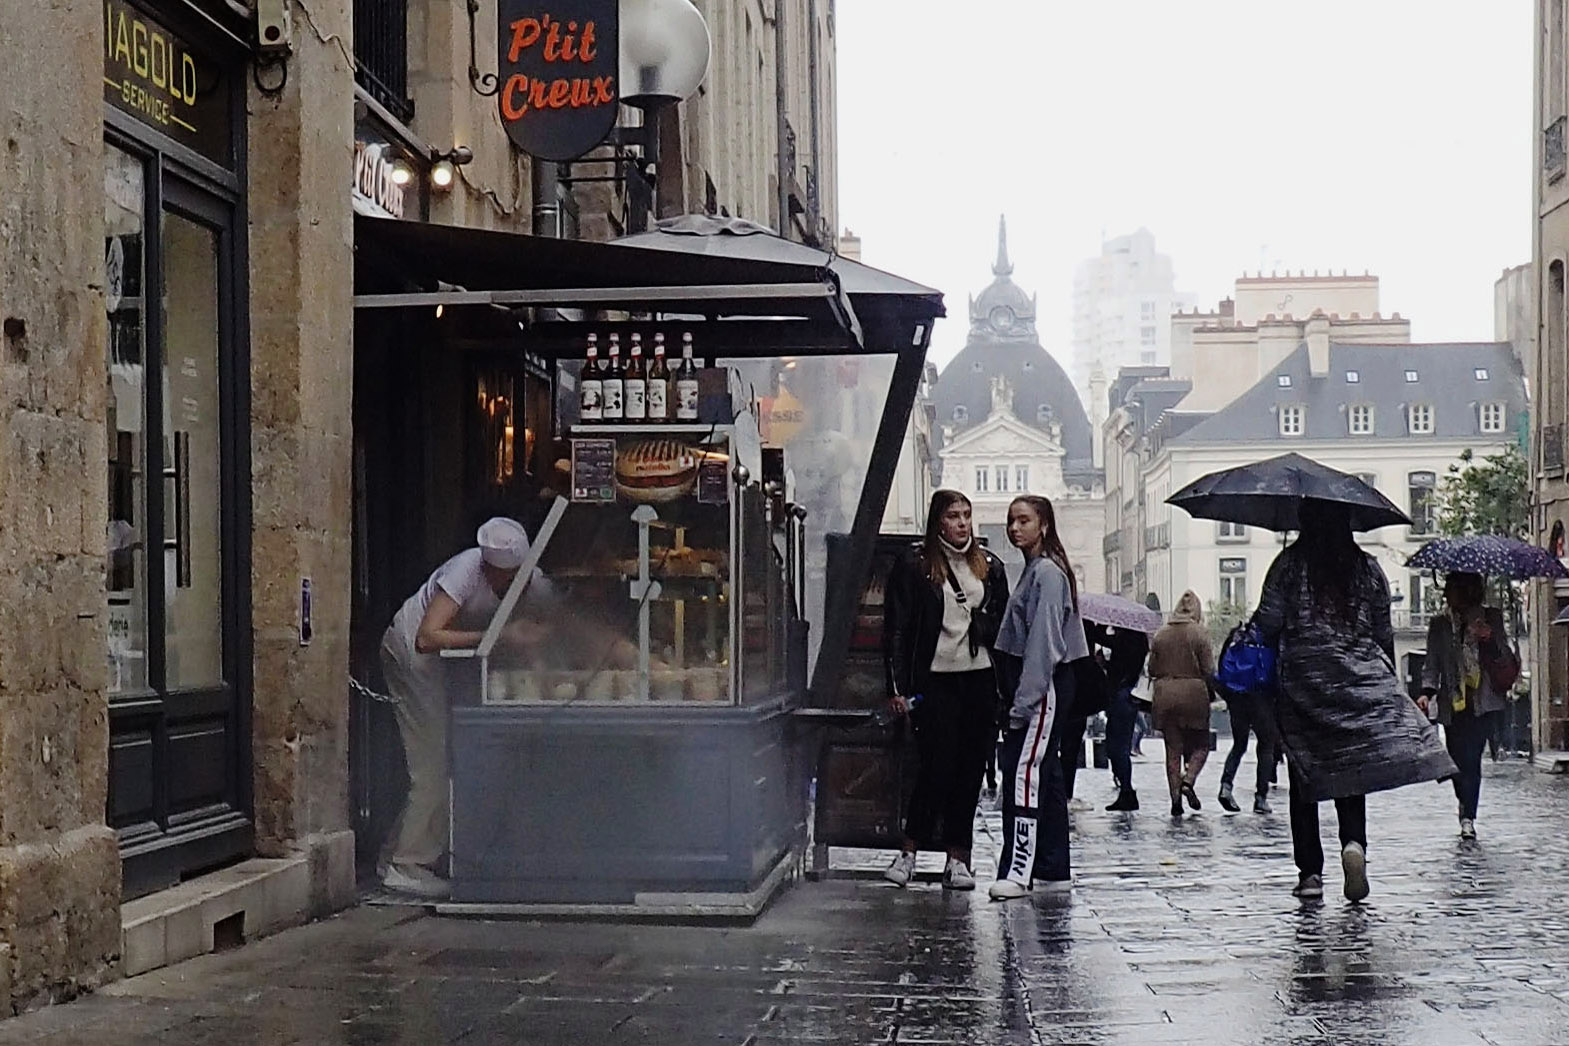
{"x":1345,"y":721}
{"x":941,"y":609}
{"x":1126,"y":652}
{"x":1457,"y":689}
{"x":1249,"y":715}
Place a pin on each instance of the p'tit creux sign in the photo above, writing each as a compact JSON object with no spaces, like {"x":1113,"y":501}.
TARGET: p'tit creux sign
{"x":557,"y":66}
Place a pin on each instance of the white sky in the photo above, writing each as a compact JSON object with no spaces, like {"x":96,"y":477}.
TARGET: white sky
{"x":1387,"y":135}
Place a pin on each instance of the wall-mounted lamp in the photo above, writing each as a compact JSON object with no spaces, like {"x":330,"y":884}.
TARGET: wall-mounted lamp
{"x":402,"y":173}
{"x":444,"y":170}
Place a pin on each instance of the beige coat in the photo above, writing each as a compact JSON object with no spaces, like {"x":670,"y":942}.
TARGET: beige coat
{"x":1181,"y":663}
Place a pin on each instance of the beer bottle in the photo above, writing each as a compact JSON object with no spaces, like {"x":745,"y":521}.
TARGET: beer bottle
{"x":615,"y":383}
{"x":686,"y":382}
{"x":636,"y":383}
{"x":591,"y":385}
{"x":659,"y":384}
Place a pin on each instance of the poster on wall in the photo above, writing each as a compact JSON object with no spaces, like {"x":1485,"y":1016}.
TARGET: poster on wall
{"x":558,"y":65}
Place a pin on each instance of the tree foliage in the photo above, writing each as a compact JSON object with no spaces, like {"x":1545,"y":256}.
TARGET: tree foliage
{"x":1220,"y":617}
{"x":1490,"y":496}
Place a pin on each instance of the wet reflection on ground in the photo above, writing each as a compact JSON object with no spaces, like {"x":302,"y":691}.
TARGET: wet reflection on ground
{"x":1176,"y":933}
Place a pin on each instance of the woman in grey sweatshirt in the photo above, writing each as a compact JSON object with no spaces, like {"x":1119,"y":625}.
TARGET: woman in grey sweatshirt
{"x":1041,"y":635}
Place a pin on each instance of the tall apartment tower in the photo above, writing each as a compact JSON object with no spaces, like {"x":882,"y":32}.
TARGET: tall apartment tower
{"x":1122,"y":306}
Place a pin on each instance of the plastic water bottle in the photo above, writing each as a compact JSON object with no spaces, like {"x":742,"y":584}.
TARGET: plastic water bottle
{"x":886,"y":715}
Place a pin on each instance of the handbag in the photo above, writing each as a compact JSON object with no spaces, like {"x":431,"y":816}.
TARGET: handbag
{"x":1503,"y":670}
{"x":1247,"y":664}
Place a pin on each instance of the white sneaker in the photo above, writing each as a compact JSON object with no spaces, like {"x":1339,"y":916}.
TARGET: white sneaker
{"x":1079,"y":806}
{"x":1467,"y":828}
{"x":957,"y":876}
{"x":1008,"y":890}
{"x":1353,"y":862}
{"x":902,"y":869}
{"x":415,"y":881}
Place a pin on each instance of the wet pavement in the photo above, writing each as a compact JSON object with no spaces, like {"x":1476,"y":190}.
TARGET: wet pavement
{"x":1175,"y":933}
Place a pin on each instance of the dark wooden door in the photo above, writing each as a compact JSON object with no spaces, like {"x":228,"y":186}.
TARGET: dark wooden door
{"x":179,"y":756}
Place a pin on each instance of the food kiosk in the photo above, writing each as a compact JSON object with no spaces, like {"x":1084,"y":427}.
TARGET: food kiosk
{"x":651,"y":757}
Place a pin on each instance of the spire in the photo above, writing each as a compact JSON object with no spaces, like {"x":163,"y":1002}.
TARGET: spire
{"x":1003,"y":267}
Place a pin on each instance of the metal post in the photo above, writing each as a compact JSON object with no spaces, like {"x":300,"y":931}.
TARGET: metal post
{"x":644,"y":590}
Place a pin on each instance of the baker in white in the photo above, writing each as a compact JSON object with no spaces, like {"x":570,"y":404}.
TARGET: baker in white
{"x":449,"y":612}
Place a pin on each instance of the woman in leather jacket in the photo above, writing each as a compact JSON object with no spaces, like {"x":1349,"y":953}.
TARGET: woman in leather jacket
{"x":941,"y":607}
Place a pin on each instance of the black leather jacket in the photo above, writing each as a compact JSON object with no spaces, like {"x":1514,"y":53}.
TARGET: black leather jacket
{"x":912,"y":619}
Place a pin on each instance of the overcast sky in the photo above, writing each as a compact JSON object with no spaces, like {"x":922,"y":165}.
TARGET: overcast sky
{"x":1387,"y":135}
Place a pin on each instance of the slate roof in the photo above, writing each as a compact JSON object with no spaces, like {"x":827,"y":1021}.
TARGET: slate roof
{"x":1446,"y":380}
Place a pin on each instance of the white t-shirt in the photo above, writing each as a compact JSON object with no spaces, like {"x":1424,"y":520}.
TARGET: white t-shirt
{"x":463,"y":579}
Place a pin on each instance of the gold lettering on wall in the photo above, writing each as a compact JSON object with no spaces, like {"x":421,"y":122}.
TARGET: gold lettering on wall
{"x":148,"y":69}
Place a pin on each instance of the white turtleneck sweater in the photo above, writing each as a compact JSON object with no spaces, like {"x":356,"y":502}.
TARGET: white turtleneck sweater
{"x":953,"y":642}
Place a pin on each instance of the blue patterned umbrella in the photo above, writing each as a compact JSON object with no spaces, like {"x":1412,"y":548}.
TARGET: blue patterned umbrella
{"x":1489,"y":555}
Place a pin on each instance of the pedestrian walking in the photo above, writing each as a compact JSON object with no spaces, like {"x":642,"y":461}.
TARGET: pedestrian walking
{"x":1345,"y":722}
{"x":1466,"y":677}
{"x":1249,"y":714}
{"x":1041,"y":636}
{"x":1182,"y":663}
{"x":1123,"y":660}
{"x":941,"y":609}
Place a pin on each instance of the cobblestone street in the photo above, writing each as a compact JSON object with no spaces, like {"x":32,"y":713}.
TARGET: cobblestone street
{"x":1176,"y":933}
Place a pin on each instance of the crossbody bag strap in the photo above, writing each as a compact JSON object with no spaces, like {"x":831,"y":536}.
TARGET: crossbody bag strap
{"x":963,"y":601}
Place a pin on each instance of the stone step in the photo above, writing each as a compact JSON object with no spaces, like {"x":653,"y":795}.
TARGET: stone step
{"x":212,"y":912}
{"x":1552,"y":762}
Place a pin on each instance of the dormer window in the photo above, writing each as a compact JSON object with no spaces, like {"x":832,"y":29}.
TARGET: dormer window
{"x":1291,"y":419}
{"x":1492,"y":417}
{"x":961,"y":414}
{"x":1353,"y":377}
{"x":1411,"y":377}
{"x":1043,"y":414}
{"x":1361,"y":416}
{"x":1481,"y":374}
{"x":1420,"y":419}
{"x":1283,"y":380}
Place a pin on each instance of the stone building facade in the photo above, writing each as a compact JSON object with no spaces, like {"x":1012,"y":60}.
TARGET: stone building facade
{"x":217,"y":730}
{"x":1012,"y":424}
{"x":1550,"y":366}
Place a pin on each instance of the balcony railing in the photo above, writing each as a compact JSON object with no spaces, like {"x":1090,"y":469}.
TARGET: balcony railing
{"x":381,"y":51}
{"x":1553,"y":150}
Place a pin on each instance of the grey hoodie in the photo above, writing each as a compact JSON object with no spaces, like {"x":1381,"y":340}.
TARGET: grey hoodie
{"x":1043,"y":629}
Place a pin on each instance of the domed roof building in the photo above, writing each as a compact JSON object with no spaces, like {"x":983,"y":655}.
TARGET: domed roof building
{"x":1012,"y":424}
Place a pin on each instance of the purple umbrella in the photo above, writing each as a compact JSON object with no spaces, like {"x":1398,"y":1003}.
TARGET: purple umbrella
{"x":1489,"y":555}
{"x":1119,"y":612}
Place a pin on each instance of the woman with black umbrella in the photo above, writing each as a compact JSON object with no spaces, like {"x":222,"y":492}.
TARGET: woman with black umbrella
{"x":1346,"y":723}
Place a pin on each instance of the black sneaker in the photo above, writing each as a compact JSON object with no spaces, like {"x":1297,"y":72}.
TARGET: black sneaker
{"x":1191,"y":796}
{"x":1228,"y":802}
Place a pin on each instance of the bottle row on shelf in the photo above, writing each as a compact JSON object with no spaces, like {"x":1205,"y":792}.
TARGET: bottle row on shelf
{"x":654,"y":391}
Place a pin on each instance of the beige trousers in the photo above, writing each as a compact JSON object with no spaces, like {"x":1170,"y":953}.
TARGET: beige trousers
{"x":418,"y":682}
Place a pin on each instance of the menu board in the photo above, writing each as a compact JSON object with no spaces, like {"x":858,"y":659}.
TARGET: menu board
{"x":594,"y":470}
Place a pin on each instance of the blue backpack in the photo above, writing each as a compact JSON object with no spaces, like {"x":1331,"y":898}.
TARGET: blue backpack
{"x":1247,"y":664}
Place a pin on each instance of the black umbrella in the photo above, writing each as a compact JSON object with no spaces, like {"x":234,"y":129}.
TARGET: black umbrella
{"x":1269,"y":495}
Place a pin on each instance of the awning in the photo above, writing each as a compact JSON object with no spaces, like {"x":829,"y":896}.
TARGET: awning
{"x":403,"y":264}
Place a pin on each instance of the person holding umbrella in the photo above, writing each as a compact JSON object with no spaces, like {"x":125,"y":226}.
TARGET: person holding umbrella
{"x":1465,"y":680}
{"x":1121,"y":628}
{"x":1346,"y":724}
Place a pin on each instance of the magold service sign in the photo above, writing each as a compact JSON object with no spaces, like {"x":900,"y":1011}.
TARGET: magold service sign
{"x":158,"y":78}
{"x":558,"y":64}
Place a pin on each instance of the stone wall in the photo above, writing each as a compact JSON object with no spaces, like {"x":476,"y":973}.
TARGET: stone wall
{"x":301,"y":288}
{"x":59,"y":867}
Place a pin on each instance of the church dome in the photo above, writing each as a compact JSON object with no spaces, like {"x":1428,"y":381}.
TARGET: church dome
{"x":1003,"y":342}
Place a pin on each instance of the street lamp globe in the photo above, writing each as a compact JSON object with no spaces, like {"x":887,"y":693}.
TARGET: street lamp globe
{"x":665,"y":49}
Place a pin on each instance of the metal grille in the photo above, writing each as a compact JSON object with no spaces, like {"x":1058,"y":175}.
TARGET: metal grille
{"x":381,"y":51}
{"x":1553,"y":150}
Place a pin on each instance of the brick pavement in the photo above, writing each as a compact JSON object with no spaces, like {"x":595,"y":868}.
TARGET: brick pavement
{"x":1175,"y":934}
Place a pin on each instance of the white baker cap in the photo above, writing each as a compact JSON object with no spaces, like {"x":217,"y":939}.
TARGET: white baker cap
{"x":503,"y":543}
